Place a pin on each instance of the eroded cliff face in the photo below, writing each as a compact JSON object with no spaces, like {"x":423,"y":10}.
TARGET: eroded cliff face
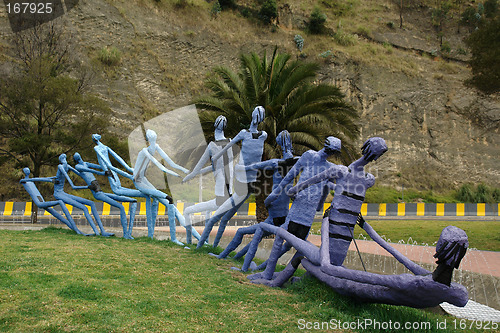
{"x":439,"y":132}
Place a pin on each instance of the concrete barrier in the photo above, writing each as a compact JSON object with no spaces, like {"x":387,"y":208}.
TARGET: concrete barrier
{"x":248,"y":209}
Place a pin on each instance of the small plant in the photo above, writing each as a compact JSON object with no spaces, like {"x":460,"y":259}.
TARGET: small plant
{"x":180,"y":3}
{"x":268,"y":11}
{"x":326,"y":54}
{"x":316,"y":23}
{"x":445,"y":47}
{"x":109,"y":56}
{"x":216,"y":9}
{"x":388,"y":48}
{"x":391,"y":24}
{"x":227,"y":4}
{"x":344,"y":38}
{"x":364,"y":31}
{"x":461,"y":51}
{"x":299,"y":42}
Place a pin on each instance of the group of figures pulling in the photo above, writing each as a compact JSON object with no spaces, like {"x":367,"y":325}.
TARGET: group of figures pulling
{"x":317,"y":177}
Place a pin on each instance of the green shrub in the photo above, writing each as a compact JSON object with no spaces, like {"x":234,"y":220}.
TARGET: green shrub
{"x":316,"y":23}
{"x":109,"y":56}
{"x":364,"y":31}
{"x":268,"y":11}
{"x":344,"y":38}
{"x":445,"y":47}
{"x":227,"y":4}
{"x":216,"y":9}
{"x":480,"y":194}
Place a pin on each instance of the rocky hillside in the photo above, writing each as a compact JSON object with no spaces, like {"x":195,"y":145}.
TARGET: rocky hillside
{"x":440,"y":133}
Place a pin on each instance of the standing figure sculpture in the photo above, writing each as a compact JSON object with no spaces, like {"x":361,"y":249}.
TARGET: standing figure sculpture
{"x":36,"y":196}
{"x":306,"y":203}
{"x":278,"y":210}
{"x":223,"y":174}
{"x":420,"y":290}
{"x":73,"y":200}
{"x":252,"y":148}
{"x":86,"y":171}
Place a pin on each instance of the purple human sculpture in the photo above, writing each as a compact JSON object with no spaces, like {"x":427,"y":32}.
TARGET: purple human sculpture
{"x":252,"y":148}
{"x":73,"y":200}
{"x":223,"y":173}
{"x":36,"y":196}
{"x":86,"y":171}
{"x":278,"y":210}
{"x":420,"y":290}
{"x":306,"y":203}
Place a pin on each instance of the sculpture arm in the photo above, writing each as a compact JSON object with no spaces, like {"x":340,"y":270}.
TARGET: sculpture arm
{"x":269,"y":164}
{"x":83,"y":168}
{"x":169,"y":160}
{"x":334,"y":172}
{"x":120,"y":160}
{"x":121,"y":172}
{"x":294,"y":172}
{"x":326,"y":191}
{"x":231,"y":143}
{"x":39,"y":179}
{"x":69,"y":179}
{"x":158,"y":164}
{"x":198,"y":167}
{"x":95,"y":166}
{"x":414,"y":268}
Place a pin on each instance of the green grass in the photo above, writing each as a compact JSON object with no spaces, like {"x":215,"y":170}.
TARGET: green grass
{"x":55,"y":281}
{"x":384,"y":194}
{"x":483,"y":235}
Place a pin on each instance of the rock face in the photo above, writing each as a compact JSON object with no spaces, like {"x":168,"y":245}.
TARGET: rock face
{"x":439,"y":132}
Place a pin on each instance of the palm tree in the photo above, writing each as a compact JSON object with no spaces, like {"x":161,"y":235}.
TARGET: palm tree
{"x":293,"y":101}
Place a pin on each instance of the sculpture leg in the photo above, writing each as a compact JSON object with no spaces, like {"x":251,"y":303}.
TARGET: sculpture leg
{"x":285,"y":248}
{"x":66,"y":212}
{"x":271,"y":262}
{"x":252,"y":248}
{"x":285,"y":274}
{"x":72,"y":200}
{"x":182,"y":222}
{"x":58,"y":216}
{"x":149,"y":219}
{"x":132,"y":212}
{"x":171,"y":221}
{"x":200,"y":207}
{"x":238,"y":202}
{"x":236,"y":241}
{"x":114,"y":200}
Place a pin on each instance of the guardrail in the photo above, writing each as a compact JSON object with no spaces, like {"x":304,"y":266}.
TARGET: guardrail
{"x":248,"y":209}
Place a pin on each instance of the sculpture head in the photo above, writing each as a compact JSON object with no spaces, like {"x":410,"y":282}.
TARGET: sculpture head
{"x":220,"y":123}
{"x":27,"y":171}
{"x":258,"y":115}
{"x":373,"y":148}
{"x":77,"y":158}
{"x":96,"y":138}
{"x":332,"y":145}
{"x":284,"y":140}
{"x":151,"y":136}
{"x":62,"y":158}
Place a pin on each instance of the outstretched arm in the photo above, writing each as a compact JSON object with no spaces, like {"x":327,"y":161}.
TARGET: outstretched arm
{"x":414,"y":268}
{"x":269,"y":164}
{"x":60,"y":167}
{"x":39,"y":179}
{"x":231,"y":143}
{"x":120,"y":160}
{"x":198,"y":167}
{"x":331,"y":174}
{"x":83,"y":168}
{"x":169,"y":160}
{"x":158,"y":164}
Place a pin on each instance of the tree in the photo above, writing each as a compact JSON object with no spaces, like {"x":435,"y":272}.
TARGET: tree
{"x":310,"y":111}
{"x":485,"y":48}
{"x":46,"y":108}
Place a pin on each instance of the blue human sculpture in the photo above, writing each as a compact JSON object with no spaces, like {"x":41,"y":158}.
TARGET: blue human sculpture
{"x":306,"y":203}
{"x":73,"y":200}
{"x":145,"y":156}
{"x":424,"y":289}
{"x":278,"y":210}
{"x":252,"y":148}
{"x":36,"y":196}
{"x":103,"y":157}
{"x":222,"y":169}
{"x":86,"y":171}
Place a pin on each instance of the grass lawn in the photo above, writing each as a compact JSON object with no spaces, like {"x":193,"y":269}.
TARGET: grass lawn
{"x":55,"y":281}
{"x":483,"y":235}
